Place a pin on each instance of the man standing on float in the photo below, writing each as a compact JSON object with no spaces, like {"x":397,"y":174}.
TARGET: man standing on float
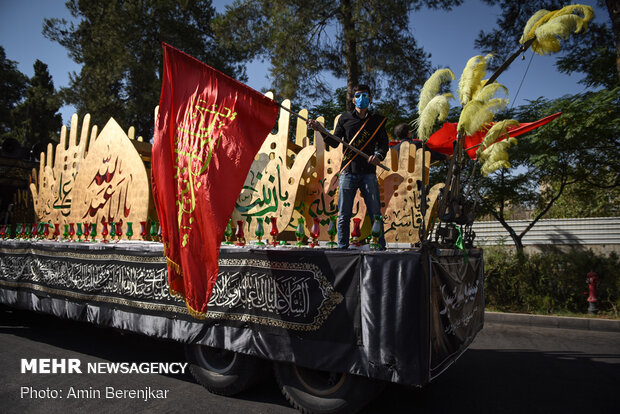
{"x":365,"y":131}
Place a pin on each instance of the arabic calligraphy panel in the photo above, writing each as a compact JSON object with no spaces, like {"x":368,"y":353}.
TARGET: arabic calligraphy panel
{"x":52,"y":191}
{"x":400,"y":194}
{"x":112,"y":184}
{"x":273,"y":182}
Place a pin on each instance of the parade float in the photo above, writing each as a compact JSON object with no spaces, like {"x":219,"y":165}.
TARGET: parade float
{"x":337,"y":325}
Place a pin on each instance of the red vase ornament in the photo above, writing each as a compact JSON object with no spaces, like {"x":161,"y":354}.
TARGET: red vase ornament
{"x":86,"y":227}
{"x":104,"y":232}
{"x":119,"y":230}
{"x":144,"y":231}
{"x":315,"y":231}
{"x":240,"y":235}
{"x":273,"y":232}
{"x":356,"y":233}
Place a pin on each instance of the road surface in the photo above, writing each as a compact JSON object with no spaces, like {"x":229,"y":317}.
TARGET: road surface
{"x":508,"y":369}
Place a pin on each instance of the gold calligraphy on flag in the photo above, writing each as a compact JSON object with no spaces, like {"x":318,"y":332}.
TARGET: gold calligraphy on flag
{"x":196,"y":140}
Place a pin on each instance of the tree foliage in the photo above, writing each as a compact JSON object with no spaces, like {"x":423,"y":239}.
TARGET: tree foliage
{"x":580,"y":149}
{"x":584,"y":200}
{"x":12,"y":89}
{"x":549,"y":281}
{"x":118,"y":44}
{"x":361,"y":41}
{"x":592,"y":53}
{"x":37,"y":118}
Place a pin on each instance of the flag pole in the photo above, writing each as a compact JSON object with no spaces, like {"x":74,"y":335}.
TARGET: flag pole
{"x":332,"y":136}
{"x":508,"y":61}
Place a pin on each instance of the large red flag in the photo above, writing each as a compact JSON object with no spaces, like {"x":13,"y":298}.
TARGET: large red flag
{"x":208,"y":130}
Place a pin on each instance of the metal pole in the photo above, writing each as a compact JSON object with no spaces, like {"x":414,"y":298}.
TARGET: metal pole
{"x":422,"y":229}
{"x":508,"y":61}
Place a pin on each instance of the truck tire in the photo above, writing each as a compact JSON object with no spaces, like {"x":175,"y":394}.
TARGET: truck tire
{"x":221,"y":371}
{"x":321,"y":392}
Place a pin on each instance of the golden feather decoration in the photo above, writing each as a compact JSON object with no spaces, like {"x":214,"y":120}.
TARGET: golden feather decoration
{"x":477,"y":113}
{"x":548,"y":26}
{"x":489,"y":91}
{"x":547,"y":36}
{"x":471,"y":78}
{"x":490,"y":167}
{"x":431,"y":87}
{"x":497,"y":132}
{"x":436,"y":110}
{"x":496,"y":156}
{"x":528,"y":33}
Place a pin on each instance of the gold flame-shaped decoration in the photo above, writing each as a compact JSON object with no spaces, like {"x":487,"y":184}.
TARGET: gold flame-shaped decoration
{"x":112,"y":184}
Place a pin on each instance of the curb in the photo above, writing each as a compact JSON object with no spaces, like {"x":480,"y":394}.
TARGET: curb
{"x":562,"y":322}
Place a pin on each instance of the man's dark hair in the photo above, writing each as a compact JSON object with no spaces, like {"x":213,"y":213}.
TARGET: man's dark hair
{"x":401,"y":131}
{"x":362,"y":88}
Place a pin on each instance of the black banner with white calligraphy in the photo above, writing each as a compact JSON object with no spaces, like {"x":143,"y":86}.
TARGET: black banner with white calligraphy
{"x":299,"y":290}
{"x":122,"y":275}
{"x":457,"y":305}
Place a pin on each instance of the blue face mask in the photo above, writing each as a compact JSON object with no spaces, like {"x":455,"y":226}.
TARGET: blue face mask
{"x":362,"y":100}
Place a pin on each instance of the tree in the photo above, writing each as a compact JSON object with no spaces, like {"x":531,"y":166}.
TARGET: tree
{"x":361,"y":41}
{"x":613,"y":6}
{"x":12,"y":88}
{"x":118,"y":44}
{"x":580,"y":148}
{"x":37,"y":118}
{"x":593,"y":53}
{"x":330,"y":107}
{"x":584,"y":200}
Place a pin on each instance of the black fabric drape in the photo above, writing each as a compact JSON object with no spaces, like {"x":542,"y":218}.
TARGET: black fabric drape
{"x":399,"y":316}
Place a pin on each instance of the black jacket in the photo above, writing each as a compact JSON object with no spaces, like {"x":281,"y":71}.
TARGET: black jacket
{"x":348,"y":125}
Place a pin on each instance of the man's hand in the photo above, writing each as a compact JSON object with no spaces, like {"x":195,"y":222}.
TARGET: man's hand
{"x":316,"y":125}
{"x":374,"y":160}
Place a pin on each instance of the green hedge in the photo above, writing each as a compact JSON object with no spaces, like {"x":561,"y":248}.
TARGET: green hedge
{"x":549,"y":282}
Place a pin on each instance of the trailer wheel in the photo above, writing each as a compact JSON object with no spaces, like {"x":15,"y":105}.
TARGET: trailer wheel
{"x":221,"y":371}
{"x":320,"y":392}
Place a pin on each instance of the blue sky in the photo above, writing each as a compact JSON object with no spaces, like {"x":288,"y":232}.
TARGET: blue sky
{"x":448,"y":36}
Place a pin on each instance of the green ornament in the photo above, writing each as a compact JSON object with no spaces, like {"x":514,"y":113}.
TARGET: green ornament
{"x":259,"y":231}
{"x":300,"y":232}
{"x":228,"y":233}
{"x":332,"y":231}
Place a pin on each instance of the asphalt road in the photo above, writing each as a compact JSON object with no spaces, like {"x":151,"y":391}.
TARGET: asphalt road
{"x":508,"y":369}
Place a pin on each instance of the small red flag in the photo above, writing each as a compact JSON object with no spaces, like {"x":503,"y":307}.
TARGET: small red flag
{"x":443,"y":140}
{"x":207,"y":132}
